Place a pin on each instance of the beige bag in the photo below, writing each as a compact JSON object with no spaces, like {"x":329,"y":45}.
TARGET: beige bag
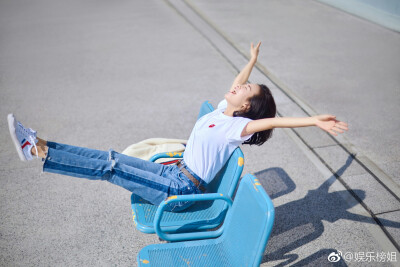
{"x":149,"y":147}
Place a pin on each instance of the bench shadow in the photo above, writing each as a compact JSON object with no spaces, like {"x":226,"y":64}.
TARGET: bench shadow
{"x":300,"y":222}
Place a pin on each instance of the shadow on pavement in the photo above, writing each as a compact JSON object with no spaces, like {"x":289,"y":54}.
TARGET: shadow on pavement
{"x":300,"y":222}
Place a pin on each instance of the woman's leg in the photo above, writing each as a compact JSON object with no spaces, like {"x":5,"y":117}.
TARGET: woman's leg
{"x":44,"y":146}
{"x":153,"y":187}
{"x":151,"y":181}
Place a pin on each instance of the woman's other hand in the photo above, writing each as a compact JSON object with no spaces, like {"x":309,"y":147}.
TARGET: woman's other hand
{"x":254,"y":50}
{"x":329,"y":124}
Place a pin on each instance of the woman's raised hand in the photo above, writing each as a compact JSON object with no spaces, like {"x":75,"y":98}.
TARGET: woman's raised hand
{"x":254,"y":50}
{"x":329,"y":124}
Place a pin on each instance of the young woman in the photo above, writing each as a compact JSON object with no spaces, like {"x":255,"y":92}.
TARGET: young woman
{"x":247,"y":115}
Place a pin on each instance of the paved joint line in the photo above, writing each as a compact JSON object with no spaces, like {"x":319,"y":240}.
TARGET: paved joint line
{"x":324,"y":146}
{"x":380,"y":213}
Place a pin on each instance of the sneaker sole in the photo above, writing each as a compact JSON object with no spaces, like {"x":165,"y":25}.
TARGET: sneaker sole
{"x":11,"y":127}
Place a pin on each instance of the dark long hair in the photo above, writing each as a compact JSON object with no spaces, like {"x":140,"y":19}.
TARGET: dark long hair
{"x":261,"y":106}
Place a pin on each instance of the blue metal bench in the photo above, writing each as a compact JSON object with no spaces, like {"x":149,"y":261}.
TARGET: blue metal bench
{"x":200,"y":216}
{"x":246,"y":231}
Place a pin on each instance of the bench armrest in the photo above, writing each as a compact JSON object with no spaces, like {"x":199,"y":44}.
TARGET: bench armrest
{"x":188,"y":236}
{"x":175,"y":155}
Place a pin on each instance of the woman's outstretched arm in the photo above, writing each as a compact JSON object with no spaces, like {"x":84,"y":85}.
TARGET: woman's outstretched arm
{"x":327,"y":123}
{"x":244,"y":74}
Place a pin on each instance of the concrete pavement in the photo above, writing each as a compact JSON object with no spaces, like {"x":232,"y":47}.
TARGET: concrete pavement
{"x":108,"y":74}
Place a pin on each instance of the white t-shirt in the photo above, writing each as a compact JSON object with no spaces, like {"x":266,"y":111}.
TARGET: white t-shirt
{"x":213,"y":139}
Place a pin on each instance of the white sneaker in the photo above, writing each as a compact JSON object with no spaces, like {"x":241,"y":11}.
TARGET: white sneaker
{"x":24,"y":138}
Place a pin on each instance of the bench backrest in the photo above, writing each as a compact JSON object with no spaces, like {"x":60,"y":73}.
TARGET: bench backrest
{"x":248,"y":223}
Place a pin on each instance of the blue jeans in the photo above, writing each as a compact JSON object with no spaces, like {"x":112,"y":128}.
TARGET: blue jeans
{"x":151,"y":181}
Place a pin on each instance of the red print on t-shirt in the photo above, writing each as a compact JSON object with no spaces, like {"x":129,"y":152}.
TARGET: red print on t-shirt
{"x":211,"y":125}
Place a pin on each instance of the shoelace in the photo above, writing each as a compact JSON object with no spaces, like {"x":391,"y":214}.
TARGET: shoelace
{"x":34,"y":143}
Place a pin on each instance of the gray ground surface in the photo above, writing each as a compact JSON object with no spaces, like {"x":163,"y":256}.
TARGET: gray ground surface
{"x":107,"y":74}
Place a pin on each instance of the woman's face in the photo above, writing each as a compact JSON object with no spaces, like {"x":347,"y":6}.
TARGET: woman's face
{"x":240,"y":95}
